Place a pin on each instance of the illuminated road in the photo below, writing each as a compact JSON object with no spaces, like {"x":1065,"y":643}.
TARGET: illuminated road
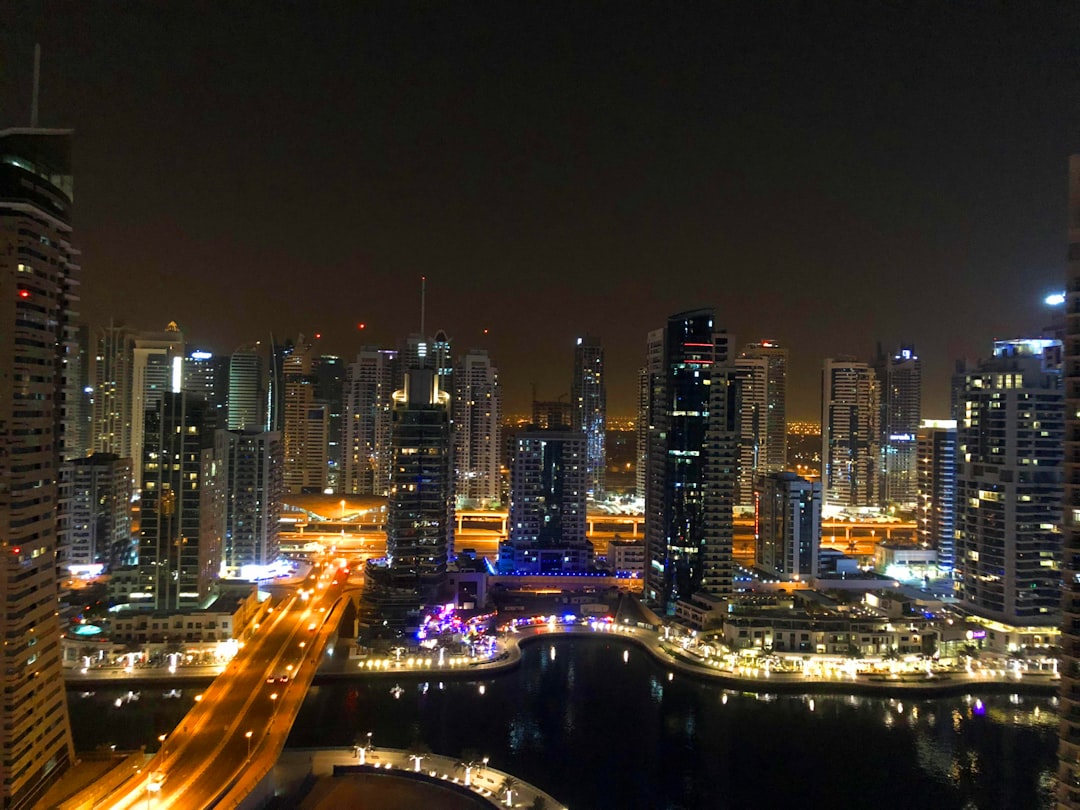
{"x":235,"y":733}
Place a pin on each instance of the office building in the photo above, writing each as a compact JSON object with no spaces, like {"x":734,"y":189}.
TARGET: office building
{"x":157,"y":368}
{"x":249,"y":483}
{"x":850,"y":435}
{"x":588,"y":403}
{"x":369,"y":397}
{"x":936,"y":473}
{"x":420,"y":509}
{"x":477,"y":416}
{"x":547,"y":525}
{"x":78,"y":441}
{"x":900,"y":378}
{"x":330,"y":388}
{"x":653,"y":369}
{"x":111,"y":431}
{"x":246,"y":399}
{"x":787,"y":525}
{"x":762,"y":414}
{"x":206,"y":376}
{"x":179,"y":551}
{"x":1009,"y":483}
{"x":98,"y":530}
{"x":38,"y":276}
{"x":693,"y":447}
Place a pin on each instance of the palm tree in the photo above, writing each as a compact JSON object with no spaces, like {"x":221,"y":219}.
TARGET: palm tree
{"x":418,"y":751}
{"x":509,"y":786}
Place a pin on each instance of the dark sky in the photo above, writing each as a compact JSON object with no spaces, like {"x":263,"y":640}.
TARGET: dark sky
{"x":822,"y":176}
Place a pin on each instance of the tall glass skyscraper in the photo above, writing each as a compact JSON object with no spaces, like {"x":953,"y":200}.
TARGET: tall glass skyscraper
{"x":692,"y":462}
{"x":588,"y":403}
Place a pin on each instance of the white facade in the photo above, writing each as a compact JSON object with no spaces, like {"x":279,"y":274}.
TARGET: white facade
{"x":850,"y":434}
{"x":476,"y":407}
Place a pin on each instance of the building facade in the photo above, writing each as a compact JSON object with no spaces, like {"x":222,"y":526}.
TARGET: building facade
{"x":787,"y":525}
{"x":1009,"y":482}
{"x":306,"y":423}
{"x":588,"y":401}
{"x":547,"y":531}
{"x":111,"y":424}
{"x":936,"y":512}
{"x":850,"y":434}
{"x":692,"y":461}
{"x":369,"y":397}
{"x":248,"y":477}
{"x":477,"y":413}
{"x":246,"y":400}
{"x":762,"y":414}
{"x":156,"y":369}
{"x":38,"y":276}
{"x":98,"y":530}
{"x":900,"y":377}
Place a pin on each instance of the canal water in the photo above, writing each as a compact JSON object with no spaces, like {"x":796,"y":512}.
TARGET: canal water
{"x":598,"y":724}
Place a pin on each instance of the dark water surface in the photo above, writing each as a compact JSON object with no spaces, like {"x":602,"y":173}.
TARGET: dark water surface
{"x":597,"y":731}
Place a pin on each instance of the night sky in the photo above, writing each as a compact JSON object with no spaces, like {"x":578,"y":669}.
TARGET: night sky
{"x":825,"y":178}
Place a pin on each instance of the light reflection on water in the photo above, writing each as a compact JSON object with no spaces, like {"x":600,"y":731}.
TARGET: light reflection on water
{"x":597,"y":728}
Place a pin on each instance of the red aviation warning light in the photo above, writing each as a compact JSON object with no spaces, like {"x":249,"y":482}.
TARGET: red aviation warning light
{"x":24,"y":293}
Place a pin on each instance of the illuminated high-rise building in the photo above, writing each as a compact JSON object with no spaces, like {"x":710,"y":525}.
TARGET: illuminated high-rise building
{"x":98,"y":530}
{"x":247,"y":473}
{"x":653,"y":368}
{"x":476,"y":408}
{"x":588,"y":403}
{"x":206,"y":376}
{"x":157,"y":368}
{"x":369,"y":398}
{"x":1009,"y":483}
{"x":900,"y":379}
{"x":38,"y":278}
{"x":179,"y":551}
{"x":787,"y":525}
{"x":1068,"y":790}
{"x":936,"y":472}
{"x":306,"y":420}
{"x":850,"y":434}
{"x":329,"y":373}
{"x":246,"y":399}
{"x":548,"y":475}
{"x":762,"y":414}
{"x":111,"y":429}
{"x":693,"y":448}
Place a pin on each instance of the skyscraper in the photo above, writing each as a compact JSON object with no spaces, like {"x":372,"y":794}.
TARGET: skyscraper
{"x":306,"y":433}
{"x":98,"y":529}
{"x":476,"y":407}
{"x":653,"y":368}
{"x":420,"y":511}
{"x":179,"y":554}
{"x":369,"y":397}
{"x":936,"y":512}
{"x":111,"y":431}
{"x":547,"y":531}
{"x":330,"y":389}
{"x":762,"y":414}
{"x":38,"y":276}
{"x":588,"y":401}
{"x":246,"y":399}
{"x":787,"y":525}
{"x":850,"y":434}
{"x":156,"y":369}
{"x":693,"y":445}
{"x":248,"y":477}
{"x":206,"y":376}
{"x":1068,"y":793}
{"x":900,"y":378}
{"x":1009,"y":484}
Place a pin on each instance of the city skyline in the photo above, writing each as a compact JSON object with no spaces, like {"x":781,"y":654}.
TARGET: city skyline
{"x":718,"y":159}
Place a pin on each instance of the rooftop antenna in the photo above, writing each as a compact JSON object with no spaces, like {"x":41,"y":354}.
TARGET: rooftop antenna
{"x":37,"y":83}
{"x":423,"y":289}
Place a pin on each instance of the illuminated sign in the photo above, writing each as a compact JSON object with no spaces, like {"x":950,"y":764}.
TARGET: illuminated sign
{"x":201,"y":355}
{"x":1054,"y":299}
{"x":901,"y":437}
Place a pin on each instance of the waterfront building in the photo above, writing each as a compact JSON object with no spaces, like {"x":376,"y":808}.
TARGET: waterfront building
{"x":692,"y":459}
{"x":248,"y":479}
{"x":787,"y":525}
{"x":156,"y":369}
{"x":900,"y":379}
{"x":1009,"y":483}
{"x":369,"y":397}
{"x":420,"y":510}
{"x":936,"y":512}
{"x":477,"y":416}
{"x":850,"y":434}
{"x":245,"y":400}
{"x":98,"y":530}
{"x":1068,"y":792}
{"x":179,"y":551}
{"x":588,"y":403}
{"x":547,"y":532}
{"x":39,"y":275}
{"x":762,"y":414}
{"x":306,"y":423}
{"x":111,"y":430}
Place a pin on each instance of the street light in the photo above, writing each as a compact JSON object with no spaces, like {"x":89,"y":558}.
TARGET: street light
{"x":151,"y":787}
{"x":248,"y":735}
{"x":164,"y":754}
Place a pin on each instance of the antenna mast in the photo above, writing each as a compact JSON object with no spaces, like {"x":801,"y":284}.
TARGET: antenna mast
{"x":423,"y":291}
